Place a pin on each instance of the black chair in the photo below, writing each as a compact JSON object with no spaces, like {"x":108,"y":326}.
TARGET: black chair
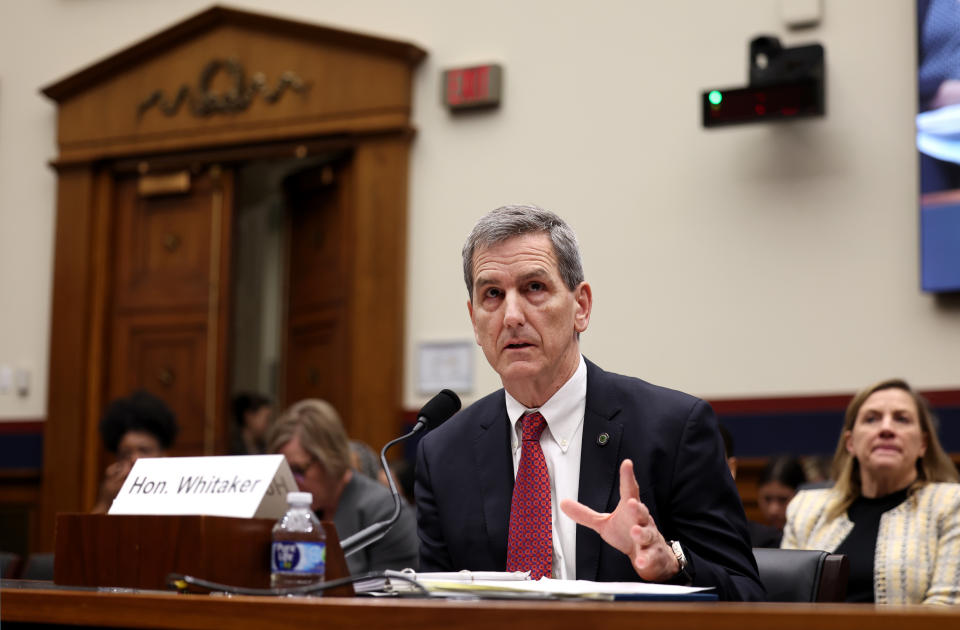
{"x":9,"y":564}
{"x":801,"y":575}
{"x":39,"y":566}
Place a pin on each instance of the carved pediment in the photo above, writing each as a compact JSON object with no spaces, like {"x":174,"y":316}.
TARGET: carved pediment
{"x":232,"y":76}
{"x":203,"y":100}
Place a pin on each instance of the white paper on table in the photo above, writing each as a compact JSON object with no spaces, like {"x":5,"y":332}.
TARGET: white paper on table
{"x":487,"y":582}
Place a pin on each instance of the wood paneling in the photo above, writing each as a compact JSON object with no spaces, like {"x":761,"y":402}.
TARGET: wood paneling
{"x":170,"y":306}
{"x":346,"y":279}
{"x":97,"y":344}
{"x":141,"y":284}
{"x":319,"y":287}
{"x":202,"y":612}
{"x":351,"y":82}
{"x":136,"y":551}
{"x":19,"y":501}
{"x":377,"y":309}
{"x":120,"y":148}
{"x":73,"y":299}
{"x":316,"y":365}
{"x":213,"y":18}
{"x":321,"y":249}
{"x":749,"y":470}
{"x":163,"y":248}
{"x":166,"y":355}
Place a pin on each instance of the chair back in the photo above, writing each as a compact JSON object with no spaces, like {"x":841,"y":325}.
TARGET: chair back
{"x":9,"y":564}
{"x":802,"y":575}
{"x":39,"y":566}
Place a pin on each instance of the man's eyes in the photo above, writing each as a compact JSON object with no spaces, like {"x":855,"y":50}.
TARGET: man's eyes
{"x":532,"y":287}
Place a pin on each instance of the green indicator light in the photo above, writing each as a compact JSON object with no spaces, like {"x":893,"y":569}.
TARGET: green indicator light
{"x":715,"y":97}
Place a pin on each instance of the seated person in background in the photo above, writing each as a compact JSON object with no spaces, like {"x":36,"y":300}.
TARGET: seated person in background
{"x":251,"y":417}
{"x":817,"y":470}
{"x":894,"y":509}
{"x":776,"y":486}
{"x":364,"y":460}
{"x":312,"y":438}
{"x":760,"y":535}
{"x":140,"y":425}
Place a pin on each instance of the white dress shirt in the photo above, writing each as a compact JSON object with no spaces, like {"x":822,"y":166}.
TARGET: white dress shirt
{"x":561,"y":444}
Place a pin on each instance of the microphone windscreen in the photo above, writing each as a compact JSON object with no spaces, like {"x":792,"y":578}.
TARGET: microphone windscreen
{"x":439,"y":408}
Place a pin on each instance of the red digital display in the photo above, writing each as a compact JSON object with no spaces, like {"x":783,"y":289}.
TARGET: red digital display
{"x":764,"y":103}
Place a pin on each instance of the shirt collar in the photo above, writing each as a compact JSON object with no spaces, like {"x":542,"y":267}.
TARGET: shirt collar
{"x":560,"y":411}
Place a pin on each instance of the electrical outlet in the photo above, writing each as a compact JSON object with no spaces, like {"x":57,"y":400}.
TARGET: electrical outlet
{"x":21,"y":381}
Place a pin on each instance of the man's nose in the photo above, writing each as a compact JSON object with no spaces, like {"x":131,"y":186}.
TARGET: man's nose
{"x":513,"y":310}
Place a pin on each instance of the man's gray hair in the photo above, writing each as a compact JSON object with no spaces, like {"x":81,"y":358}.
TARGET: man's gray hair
{"x":508,"y":222}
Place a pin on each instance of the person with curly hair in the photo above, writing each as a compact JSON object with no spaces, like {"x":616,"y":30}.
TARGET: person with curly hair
{"x":139,"y":425}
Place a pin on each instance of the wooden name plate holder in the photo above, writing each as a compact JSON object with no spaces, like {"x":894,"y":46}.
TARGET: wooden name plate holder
{"x":139,"y":551}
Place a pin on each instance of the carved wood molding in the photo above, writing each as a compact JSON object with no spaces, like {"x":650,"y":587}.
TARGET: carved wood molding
{"x":203,"y":101}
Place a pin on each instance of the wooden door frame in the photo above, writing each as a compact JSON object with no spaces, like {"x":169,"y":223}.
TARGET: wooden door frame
{"x":84,"y":239}
{"x":360,"y":98}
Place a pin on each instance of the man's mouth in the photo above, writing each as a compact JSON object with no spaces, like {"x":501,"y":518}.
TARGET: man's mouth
{"x":518,"y":345}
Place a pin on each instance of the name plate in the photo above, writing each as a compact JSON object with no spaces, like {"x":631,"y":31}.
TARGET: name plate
{"x":244,"y":486}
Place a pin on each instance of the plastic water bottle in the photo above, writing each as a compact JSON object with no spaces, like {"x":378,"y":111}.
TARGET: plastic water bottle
{"x":298,"y":555}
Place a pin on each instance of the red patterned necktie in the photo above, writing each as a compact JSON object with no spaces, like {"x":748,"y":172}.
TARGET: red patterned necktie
{"x":530,"y":542}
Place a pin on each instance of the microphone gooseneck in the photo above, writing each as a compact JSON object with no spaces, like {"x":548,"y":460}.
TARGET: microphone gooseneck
{"x":437,"y":410}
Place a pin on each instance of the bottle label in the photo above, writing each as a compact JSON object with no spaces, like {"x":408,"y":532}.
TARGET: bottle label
{"x":298,"y":557}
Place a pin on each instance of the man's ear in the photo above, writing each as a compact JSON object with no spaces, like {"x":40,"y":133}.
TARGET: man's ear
{"x":583,"y":298}
{"x":473,"y":322}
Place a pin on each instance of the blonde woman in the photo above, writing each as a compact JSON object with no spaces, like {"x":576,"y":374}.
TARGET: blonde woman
{"x":312,"y":438}
{"x":895,"y":507}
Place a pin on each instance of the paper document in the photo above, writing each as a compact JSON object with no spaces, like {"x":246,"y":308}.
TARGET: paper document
{"x":462,"y":577}
{"x":514,"y":585}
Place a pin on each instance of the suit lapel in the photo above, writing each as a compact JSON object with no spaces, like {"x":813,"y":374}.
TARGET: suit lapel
{"x":494,"y":465}
{"x":599,"y":461}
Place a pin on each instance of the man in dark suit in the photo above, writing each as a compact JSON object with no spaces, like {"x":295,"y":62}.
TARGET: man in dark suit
{"x":654,"y":500}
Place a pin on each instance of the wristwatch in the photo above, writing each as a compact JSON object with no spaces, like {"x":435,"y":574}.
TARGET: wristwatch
{"x":683,"y":576}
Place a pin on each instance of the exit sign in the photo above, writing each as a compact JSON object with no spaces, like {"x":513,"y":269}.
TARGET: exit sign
{"x":478,"y":86}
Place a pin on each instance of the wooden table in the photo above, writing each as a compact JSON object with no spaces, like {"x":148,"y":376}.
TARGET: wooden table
{"x":25,"y":607}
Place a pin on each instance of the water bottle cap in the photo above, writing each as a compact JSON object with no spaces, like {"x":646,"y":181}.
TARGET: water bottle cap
{"x":299,"y":498}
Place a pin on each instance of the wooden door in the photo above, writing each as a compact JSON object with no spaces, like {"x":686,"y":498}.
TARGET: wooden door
{"x":319,"y":279}
{"x":166,"y":327}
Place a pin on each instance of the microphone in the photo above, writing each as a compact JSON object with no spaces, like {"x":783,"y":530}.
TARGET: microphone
{"x":437,"y":410}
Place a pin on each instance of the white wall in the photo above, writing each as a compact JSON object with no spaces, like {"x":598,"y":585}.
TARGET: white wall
{"x":734,"y":262}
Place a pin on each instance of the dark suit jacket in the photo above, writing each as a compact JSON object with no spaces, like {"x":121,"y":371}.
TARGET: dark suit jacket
{"x":464,"y":485}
